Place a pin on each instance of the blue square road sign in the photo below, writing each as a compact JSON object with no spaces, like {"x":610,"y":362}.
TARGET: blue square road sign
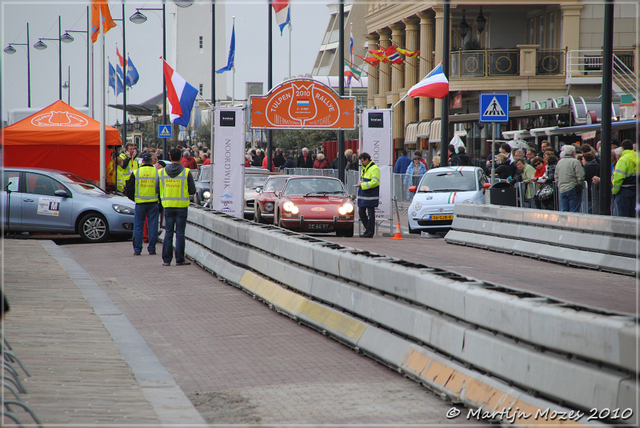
{"x":494,"y":108}
{"x":164,"y":131}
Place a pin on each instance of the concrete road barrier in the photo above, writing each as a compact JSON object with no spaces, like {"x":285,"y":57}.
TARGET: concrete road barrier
{"x":595,"y":242}
{"x":375,"y":304}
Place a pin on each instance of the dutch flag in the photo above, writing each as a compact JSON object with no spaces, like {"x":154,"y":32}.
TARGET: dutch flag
{"x":181,"y":96}
{"x":434,"y":85}
{"x":281,"y":7}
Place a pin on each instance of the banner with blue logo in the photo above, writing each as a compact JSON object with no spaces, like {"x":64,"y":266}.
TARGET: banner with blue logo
{"x":228,"y":160}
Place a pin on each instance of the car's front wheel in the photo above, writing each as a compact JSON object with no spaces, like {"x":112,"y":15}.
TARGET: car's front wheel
{"x":93,"y":228}
{"x":257,"y":215}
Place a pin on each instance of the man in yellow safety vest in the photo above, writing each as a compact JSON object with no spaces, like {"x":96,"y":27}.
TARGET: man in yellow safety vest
{"x":176,"y":184}
{"x":126,"y":164}
{"x":143,"y":188}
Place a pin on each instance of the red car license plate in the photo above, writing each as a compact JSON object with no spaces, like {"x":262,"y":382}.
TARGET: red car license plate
{"x":319,"y":226}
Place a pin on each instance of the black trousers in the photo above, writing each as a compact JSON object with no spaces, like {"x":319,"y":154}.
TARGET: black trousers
{"x":368,"y":218}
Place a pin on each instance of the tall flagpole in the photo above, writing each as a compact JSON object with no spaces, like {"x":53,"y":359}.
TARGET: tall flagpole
{"x":233,"y":91}
{"x":269,"y":76}
{"x":103,"y":140}
{"x":289,"y":27}
{"x":350,"y":54}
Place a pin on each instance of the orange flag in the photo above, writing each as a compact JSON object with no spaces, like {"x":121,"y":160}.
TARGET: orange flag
{"x":98,"y":8}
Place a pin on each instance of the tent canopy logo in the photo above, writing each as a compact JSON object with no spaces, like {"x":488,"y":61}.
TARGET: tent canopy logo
{"x":59,"y":118}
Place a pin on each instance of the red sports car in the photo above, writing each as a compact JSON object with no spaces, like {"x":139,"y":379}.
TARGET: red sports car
{"x":315,"y":204}
{"x":266,"y":199}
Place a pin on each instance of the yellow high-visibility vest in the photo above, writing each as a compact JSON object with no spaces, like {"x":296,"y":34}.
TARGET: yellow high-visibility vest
{"x":124,"y":174}
{"x":146,"y":182}
{"x":174,"y":192}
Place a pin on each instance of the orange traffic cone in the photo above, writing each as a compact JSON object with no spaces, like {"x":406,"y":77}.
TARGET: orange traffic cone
{"x":398,"y":234}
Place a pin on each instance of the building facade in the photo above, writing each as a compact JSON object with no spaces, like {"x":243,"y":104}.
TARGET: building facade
{"x":538,"y":52}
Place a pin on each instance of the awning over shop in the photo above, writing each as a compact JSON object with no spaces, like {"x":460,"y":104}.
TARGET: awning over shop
{"x":410,"y":133}
{"x":516,"y":135}
{"x":434,"y":134}
{"x":567,"y":130}
{"x":424,"y":129}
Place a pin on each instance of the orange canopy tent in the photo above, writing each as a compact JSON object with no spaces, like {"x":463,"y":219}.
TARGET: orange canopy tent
{"x":59,"y":137}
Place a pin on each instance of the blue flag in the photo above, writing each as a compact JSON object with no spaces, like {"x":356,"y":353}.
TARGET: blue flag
{"x":120,"y":88}
{"x":232,"y":52}
{"x":132,"y":73}
{"x":113,"y":77}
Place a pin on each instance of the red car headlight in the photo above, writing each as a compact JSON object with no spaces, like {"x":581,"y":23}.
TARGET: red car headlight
{"x":290,"y":207}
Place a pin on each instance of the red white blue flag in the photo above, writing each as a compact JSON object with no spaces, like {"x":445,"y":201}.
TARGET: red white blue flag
{"x":181,"y":96}
{"x":281,"y":8}
{"x":434,"y":85}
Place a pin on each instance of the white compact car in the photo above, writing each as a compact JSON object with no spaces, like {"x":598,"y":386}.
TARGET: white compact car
{"x":431,"y":208}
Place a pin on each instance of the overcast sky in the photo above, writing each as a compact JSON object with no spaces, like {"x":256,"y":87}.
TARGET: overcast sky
{"x":144,"y":44}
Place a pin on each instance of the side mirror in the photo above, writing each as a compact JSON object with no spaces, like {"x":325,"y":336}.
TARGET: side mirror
{"x":486,"y":185}
{"x":353,"y":196}
{"x":413,"y":189}
{"x":62,"y":193}
{"x":259,"y":189}
{"x":277,"y":194}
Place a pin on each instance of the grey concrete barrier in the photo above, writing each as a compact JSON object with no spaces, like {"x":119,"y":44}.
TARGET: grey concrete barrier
{"x":524,"y":339}
{"x":595,"y":242}
{"x":478,"y":391}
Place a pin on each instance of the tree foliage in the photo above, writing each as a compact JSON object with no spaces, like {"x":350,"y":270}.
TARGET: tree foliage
{"x":289,"y":139}
{"x":203,"y":133}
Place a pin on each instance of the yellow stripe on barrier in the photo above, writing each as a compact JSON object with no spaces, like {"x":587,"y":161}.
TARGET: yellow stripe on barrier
{"x":490,"y":400}
{"x":334,"y":320}
{"x":272,"y":292}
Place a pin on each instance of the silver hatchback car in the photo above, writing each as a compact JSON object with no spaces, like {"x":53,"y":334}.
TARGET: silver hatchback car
{"x":44,"y":200}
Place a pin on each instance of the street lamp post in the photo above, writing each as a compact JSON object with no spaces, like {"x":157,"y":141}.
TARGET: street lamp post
{"x":68,"y":38}
{"x":11,"y":50}
{"x":67,"y":85}
{"x":139,"y":18}
{"x":40,"y":45}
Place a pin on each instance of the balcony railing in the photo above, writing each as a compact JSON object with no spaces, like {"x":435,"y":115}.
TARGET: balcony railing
{"x":585,"y":67}
{"x":506,"y":62}
{"x":550,"y":62}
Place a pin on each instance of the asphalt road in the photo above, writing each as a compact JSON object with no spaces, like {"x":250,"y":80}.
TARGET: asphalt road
{"x":587,"y":287}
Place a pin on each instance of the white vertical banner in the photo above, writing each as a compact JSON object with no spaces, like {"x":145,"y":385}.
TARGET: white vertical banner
{"x":228,"y":160}
{"x":377,"y":141}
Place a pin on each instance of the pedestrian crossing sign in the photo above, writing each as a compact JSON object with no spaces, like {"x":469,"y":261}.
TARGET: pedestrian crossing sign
{"x":164,"y":131}
{"x":494,"y":108}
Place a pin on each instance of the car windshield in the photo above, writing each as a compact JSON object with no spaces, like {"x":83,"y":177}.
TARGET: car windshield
{"x":448,"y":181}
{"x":314,"y":186}
{"x":275,"y":184}
{"x":251,"y":181}
{"x":79,"y":184}
{"x":205,"y":174}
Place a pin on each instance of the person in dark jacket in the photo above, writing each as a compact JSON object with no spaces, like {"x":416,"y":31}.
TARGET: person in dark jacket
{"x":175,"y":203}
{"x":279,"y":159}
{"x":305,"y":160}
{"x":289,"y":163}
{"x":402,"y":163}
{"x":465,"y":160}
{"x":454,"y":160}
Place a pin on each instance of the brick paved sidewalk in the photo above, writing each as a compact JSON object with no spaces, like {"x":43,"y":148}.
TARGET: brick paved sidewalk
{"x":78,"y":375}
{"x":238,"y":361}
{"x":241,"y":362}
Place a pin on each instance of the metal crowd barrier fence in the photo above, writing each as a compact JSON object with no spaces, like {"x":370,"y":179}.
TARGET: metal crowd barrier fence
{"x":11,"y":381}
{"x":590,"y":202}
